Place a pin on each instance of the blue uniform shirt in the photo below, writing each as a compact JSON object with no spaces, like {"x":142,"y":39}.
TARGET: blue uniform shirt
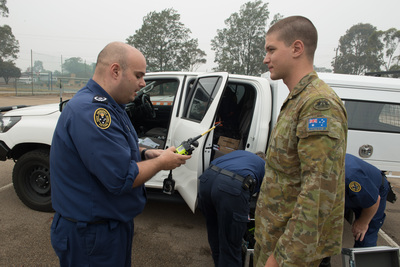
{"x":363,"y":182}
{"x":243,"y":163}
{"x":93,"y":160}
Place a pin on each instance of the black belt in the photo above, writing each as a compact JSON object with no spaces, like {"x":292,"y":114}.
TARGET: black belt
{"x":95,"y":222}
{"x":227,"y":173}
{"x":248,"y":183}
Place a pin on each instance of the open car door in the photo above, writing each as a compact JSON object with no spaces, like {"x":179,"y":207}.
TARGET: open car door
{"x":197,"y":115}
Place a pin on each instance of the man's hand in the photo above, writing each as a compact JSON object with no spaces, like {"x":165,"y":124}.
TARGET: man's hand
{"x":359,"y":229}
{"x":171,"y":160}
{"x":153,"y":153}
{"x":360,"y":226}
{"x":271,"y":262}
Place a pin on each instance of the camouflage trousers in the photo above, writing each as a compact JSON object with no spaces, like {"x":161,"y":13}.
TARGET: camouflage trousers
{"x":260,"y":258}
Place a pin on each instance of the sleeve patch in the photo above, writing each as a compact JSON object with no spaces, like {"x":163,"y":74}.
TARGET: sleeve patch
{"x":102,"y":118}
{"x":322,"y":104}
{"x":355,"y":187}
{"x":317,"y":124}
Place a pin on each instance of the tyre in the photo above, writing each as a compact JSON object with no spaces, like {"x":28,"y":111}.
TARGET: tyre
{"x":31,"y":179}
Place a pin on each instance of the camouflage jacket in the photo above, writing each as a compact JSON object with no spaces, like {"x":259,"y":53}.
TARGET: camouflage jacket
{"x":299,"y":213}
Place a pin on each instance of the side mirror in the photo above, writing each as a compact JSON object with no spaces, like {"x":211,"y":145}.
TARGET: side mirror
{"x":63,"y":104}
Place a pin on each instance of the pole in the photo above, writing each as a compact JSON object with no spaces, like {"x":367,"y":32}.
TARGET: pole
{"x":32,"y":70}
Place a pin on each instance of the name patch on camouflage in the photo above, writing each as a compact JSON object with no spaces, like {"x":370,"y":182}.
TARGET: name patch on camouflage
{"x":317,"y":124}
{"x":102,"y":118}
{"x":355,"y":187}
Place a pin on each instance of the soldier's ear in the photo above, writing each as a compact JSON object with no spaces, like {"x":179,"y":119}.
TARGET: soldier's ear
{"x":297,"y":48}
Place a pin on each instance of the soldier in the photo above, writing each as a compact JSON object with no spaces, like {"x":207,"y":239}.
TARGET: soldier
{"x":299,"y":212}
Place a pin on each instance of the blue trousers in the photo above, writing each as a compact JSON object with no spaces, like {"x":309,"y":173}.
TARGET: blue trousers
{"x":371,"y":236}
{"x":225,"y":205}
{"x":80,"y":244}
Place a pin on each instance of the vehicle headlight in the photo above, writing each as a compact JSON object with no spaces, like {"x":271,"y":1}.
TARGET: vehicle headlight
{"x":7,"y":122}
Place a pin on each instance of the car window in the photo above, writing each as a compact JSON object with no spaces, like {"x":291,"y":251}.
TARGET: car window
{"x":202,"y":96}
{"x":162,"y":91}
{"x":373,"y":116}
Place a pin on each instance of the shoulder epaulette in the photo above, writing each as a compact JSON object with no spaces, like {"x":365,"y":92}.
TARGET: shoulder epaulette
{"x":100,"y":99}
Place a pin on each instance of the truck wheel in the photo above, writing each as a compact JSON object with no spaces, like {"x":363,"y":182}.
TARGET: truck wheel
{"x":31,"y":179}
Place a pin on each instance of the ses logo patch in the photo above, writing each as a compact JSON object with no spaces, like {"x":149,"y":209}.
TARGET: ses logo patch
{"x":102,"y":118}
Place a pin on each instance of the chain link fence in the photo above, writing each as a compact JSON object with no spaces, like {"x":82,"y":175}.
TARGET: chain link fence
{"x":44,"y":84}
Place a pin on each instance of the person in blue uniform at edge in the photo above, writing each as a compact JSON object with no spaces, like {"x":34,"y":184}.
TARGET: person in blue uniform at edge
{"x":225,"y":189}
{"x":366,"y":192}
{"x":97,"y":175}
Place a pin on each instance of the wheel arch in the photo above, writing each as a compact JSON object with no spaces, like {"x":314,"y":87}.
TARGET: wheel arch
{"x":24,"y":148}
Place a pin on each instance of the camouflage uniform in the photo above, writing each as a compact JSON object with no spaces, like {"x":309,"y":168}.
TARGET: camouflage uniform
{"x":299,"y":213}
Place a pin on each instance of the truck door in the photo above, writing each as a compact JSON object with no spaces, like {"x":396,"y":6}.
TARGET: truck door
{"x":196,"y":117}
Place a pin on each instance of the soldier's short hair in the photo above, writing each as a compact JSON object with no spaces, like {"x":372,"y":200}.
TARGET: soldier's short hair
{"x":295,"y":28}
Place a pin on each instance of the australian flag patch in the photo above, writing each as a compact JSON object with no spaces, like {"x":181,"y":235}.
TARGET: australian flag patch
{"x":317,"y":124}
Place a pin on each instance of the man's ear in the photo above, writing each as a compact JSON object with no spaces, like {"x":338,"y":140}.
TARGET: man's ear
{"x":115,"y":70}
{"x":297,"y":48}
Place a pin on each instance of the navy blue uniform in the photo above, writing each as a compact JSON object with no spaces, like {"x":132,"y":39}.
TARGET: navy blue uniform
{"x":93,"y":166}
{"x":364,"y":183}
{"x":225,"y":203}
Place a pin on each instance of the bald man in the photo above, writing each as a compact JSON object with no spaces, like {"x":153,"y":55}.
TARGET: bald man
{"x":97,"y":169}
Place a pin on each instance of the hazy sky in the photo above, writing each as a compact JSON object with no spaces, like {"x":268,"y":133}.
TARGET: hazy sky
{"x":55,"y":29}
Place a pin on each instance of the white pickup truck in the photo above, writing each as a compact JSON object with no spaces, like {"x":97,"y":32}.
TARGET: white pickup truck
{"x":176,"y":106}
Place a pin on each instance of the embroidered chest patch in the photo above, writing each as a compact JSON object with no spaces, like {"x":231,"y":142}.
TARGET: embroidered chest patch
{"x":102,"y":118}
{"x":317,"y":124}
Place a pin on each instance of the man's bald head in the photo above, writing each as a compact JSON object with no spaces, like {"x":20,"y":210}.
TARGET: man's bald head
{"x":116,"y":52}
{"x":120,"y":69}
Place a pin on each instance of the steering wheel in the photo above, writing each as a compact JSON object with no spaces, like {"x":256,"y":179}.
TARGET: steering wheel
{"x":148,"y":106}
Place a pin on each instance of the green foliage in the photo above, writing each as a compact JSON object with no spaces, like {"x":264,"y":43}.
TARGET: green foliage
{"x":276,"y":17}
{"x":9,"y":46}
{"x":391,"y":39}
{"x":77,"y":67}
{"x":359,"y":51}
{"x":38,"y":66}
{"x":3,"y":8}
{"x":238,"y":47}
{"x":165,"y":42}
{"x":9,"y":70}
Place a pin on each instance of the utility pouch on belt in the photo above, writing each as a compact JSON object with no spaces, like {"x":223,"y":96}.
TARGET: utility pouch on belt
{"x":249,"y":183}
{"x":391,"y":197}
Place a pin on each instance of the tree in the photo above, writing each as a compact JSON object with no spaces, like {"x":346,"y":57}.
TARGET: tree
{"x":3,"y":8}
{"x":391,"y":40}
{"x":359,"y":51}
{"x":193,"y":55}
{"x":38,"y":66}
{"x":165,"y":42}
{"x":9,"y":70}
{"x":9,"y":46}
{"x":275,"y":19}
{"x":238,"y":47}
{"x":75,"y":65}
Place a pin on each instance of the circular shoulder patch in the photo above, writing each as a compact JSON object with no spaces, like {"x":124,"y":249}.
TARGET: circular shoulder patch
{"x":355,"y":187}
{"x":322,"y":104}
{"x":102,"y":118}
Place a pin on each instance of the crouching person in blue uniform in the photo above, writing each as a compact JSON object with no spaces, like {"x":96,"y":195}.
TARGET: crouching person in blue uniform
{"x":225,"y":190}
{"x":97,"y":169}
{"x":366,"y":192}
